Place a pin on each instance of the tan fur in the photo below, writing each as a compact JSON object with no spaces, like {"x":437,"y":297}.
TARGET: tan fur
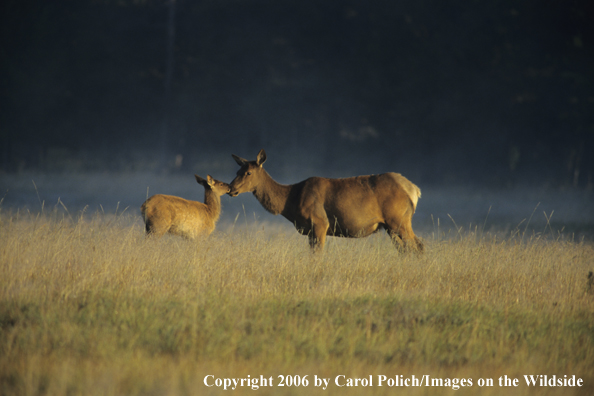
{"x":168,"y":214}
{"x":351,"y":207}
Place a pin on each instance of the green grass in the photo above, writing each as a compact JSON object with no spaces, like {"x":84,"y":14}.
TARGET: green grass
{"x":89,"y":306}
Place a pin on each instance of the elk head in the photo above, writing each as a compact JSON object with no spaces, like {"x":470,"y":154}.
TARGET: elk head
{"x":249,"y":175}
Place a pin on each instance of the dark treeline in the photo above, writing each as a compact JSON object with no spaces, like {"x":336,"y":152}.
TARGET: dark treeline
{"x":444,"y":91}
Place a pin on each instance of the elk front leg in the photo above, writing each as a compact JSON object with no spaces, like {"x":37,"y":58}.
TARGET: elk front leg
{"x":317,"y":235}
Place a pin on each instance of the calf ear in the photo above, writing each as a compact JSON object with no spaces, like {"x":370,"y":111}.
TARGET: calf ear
{"x":210,"y":180}
{"x":200,"y":180}
{"x":240,"y":161}
{"x":261,"y":157}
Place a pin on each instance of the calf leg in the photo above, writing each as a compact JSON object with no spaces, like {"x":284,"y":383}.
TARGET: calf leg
{"x":153,"y":228}
{"x":420,"y":246}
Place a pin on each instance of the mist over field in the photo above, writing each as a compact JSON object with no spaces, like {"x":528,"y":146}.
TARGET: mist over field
{"x":535,"y":210}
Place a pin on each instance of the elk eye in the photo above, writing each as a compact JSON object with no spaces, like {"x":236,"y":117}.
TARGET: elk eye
{"x":249,"y":173}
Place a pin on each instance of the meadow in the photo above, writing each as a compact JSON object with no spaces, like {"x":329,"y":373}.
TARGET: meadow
{"x":89,"y":306}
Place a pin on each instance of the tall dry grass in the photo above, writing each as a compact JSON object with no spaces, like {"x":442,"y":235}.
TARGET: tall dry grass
{"x":89,"y":306}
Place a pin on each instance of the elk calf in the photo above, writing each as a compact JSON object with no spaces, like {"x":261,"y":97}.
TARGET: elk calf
{"x":352,"y":207}
{"x":178,"y":216}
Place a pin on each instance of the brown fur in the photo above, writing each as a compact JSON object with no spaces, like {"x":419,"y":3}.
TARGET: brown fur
{"x":189,"y":219}
{"x":352,"y":207}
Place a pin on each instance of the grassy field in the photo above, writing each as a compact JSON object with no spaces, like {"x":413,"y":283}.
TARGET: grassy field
{"x":89,"y":306}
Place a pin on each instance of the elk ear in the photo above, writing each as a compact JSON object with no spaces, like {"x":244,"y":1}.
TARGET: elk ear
{"x":210,"y":180}
{"x":200,"y":180}
{"x":261,"y":157}
{"x":240,"y":161}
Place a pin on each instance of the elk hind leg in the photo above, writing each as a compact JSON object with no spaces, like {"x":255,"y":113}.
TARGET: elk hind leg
{"x":403,"y":237}
{"x":397,"y":241}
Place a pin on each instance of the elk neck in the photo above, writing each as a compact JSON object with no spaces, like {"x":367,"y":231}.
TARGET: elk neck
{"x":272,"y":195}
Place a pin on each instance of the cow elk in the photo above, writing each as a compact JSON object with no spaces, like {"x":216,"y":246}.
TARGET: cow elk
{"x":168,"y":214}
{"x":351,"y":207}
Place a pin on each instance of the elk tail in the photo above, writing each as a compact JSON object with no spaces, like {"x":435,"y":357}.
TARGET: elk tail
{"x":414,"y":194}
